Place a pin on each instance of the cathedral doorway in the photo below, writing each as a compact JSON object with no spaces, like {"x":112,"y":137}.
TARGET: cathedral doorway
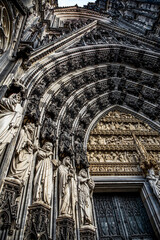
{"x":120,"y":146}
{"x":122,"y":216}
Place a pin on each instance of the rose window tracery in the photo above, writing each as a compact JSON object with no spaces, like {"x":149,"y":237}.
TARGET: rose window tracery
{"x":120,"y":144}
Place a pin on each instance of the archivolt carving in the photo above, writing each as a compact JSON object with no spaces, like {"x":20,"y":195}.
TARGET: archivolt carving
{"x":108,"y":84}
{"x":65,"y":92}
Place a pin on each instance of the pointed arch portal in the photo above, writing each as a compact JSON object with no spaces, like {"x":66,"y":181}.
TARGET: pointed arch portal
{"x":80,"y":117}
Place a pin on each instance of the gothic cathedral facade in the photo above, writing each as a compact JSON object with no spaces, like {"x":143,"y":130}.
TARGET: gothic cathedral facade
{"x":80,"y":120}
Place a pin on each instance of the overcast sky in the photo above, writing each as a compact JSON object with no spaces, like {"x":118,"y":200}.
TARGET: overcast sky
{"x":63,"y":3}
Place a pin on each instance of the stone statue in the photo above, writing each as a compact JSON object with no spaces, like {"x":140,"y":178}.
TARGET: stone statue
{"x":67,"y":188}
{"x":43,"y":180}
{"x":21,"y":164}
{"x":85,"y":187}
{"x":10,"y":117}
{"x":154,"y":182}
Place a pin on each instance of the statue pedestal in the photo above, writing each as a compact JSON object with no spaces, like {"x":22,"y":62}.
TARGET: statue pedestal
{"x":64,"y":228}
{"x":87,"y":232}
{"x":9,"y":205}
{"x":38,"y":222}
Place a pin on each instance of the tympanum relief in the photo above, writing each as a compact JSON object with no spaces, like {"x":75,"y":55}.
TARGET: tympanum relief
{"x":120,"y":144}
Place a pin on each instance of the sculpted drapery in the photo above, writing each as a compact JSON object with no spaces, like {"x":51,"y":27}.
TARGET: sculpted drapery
{"x":154,"y":182}
{"x":10,"y":117}
{"x":21,"y":164}
{"x":43,"y":181}
{"x":67,"y":188}
{"x":85,"y":188}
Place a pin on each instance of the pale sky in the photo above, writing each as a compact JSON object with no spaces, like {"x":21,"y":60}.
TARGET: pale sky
{"x":80,"y":3}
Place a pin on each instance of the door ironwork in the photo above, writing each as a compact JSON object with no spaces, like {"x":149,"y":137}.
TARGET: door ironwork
{"x":122,"y":216}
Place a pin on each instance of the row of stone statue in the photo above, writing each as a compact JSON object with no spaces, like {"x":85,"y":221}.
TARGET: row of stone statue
{"x":10,"y":119}
{"x":68,"y":180}
{"x":114,"y":126}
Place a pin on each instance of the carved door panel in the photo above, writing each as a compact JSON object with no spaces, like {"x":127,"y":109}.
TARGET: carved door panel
{"x":122,"y":216}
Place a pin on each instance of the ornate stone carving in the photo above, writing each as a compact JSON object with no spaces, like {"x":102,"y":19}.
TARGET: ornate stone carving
{"x":9,"y":206}
{"x":33,"y":108}
{"x":64,"y":228}
{"x":10,"y":118}
{"x":67,"y":189}
{"x":65,"y":145}
{"x":80,"y":153}
{"x":53,"y":111}
{"x":44,"y":174}
{"x":48,"y":131}
{"x":38,"y":222}
{"x":85,"y":188}
{"x":111,"y":169}
{"x":112,"y":149}
{"x":127,"y":12}
{"x":21,"y":164}
{"x":67,"y":123}
{"x":154,"y":182}
{"x":112,"y":156}
{"x":144,"y":157}
{"x":84,"y":121}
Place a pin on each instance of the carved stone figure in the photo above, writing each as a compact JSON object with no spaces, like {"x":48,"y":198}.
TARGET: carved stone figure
{"x":92,"y":157}
{"x":154,"y":182}
{"x":86,"y":186}
{"x":43,"y":180}
{"x":21,"y":164}
{"x":67,"y":188}
{"x":93,"y":141}
{"x":101,"y":140}
{"x":10,"y":117}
